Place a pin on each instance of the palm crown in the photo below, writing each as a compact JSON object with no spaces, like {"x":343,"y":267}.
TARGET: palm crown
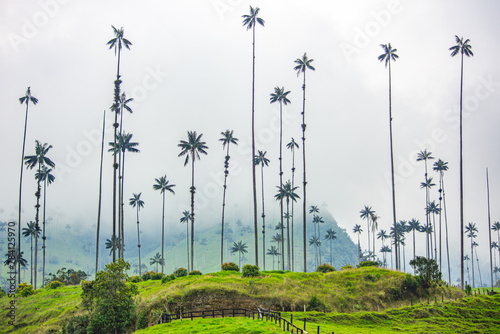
{"x":280,"y":95}
{"x":462,"y":47}
{"x":163,"y":186}
{"x":193,"y":145}
{"x":389,"y":54}
{"x":118,"y":41}
{"x":28,"y":97}
{"x":260,"y":159}
{"x":292,"y":144}
{"x":136,"y":200}
{"x":303,"y":64}
{"x":39,"y":157}
{"x":228,"y":138}
{"x":249,"y":20}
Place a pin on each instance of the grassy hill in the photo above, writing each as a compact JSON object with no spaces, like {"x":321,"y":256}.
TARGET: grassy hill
{"x":349,"y":291}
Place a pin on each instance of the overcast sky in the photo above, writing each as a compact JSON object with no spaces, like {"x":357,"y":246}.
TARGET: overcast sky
{"x":189,"y":68}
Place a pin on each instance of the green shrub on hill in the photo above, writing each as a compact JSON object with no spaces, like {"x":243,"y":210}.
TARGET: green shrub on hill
{"x":25,"y":290}
{"x":230,"y":266}
{"x":325,"y":268}
{"x":54,"y":285}
{"x":427,"y":271}
{"x":195,"y":272}
{"x":368,"y":264}
{"x":135,"y":279}
{"x":181,"y":272}
{"x":250,"y":271}
{"x":168,"y":278}
{"x":347,"y":267}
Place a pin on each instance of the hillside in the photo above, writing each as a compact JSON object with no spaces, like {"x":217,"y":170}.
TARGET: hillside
{"x":353,"y":290}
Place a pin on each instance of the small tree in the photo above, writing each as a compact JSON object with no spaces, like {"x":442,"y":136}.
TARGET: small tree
{"x":427,"y":270}
{"x":109,"y":299}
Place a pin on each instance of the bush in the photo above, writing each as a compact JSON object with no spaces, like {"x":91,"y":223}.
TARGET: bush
{"x":347,"y":267}
{"x":230,"y":266}
{"x":250,"y":271}
{"x":410,"y":283}
{"x":168,"y":278}
{"x":25,"y":289}
{"x":157,"y":276}
{"x":315,"y":304}
{"x":147,"y":275}
{"x":76,"y":325}
{"x":181,"y":272}
{"x":142,"y":319}
{"x":368,"y":264}
{"x":427,"y":271}
{"x":325,"y":268}
{"x":468,"y":290}
{"x":135,"y":279}
{"x":195,"y":272}
{"x":54,"y":285}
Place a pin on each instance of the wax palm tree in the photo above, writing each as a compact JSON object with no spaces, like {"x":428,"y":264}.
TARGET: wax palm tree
{"x":424,"y":156}
{"x":227,"y":139}
{"x":463,"y":48}
{"x":286,"y":192}
{"x":314,"y":210}
{"x":357,"y":229}
{"x":15,"y":259}
{"x":278,"y":238}
{"x":367,"y":213}
{"x":467,"y":258}
{"x":292,"y":145}
{"x":302,"y":65}
{"x":112,"y":244}
{"x":330,"y":236}
{"x":382,"y":235}
{"x":441,"y":166}
{"x":240,"y":248}
{"x":374,"y":219}
{"x":474,"y":245}
{"x":316,"y":242}
{"x":384,"y":250}
{"x":471,"y":230}
{"x":40,"y":160}
{"x":158,"y":260}
{"x":136,"y":202}
{"x":250,"y":21}
{"x":273,"y":251}
{"x":162,"y":184}
{"x":192,"y":148}
{"x":260,"y":159}
{"x":98,"y":227}
{"x":414,"y":226}
{"x":496,"y":228}
{"x":434,"y":209}
{"x":388,"y":56}
{"x":26,"y":99}
{"x":319,"y":220}
{"x":186,"y":218}
{"x":46,"y":177}
{"x":32,"y":231}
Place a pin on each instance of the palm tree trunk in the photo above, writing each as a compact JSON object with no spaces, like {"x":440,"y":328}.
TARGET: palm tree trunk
{"x":413,"y":250}
{"x":43,"y":228}
{"x":226,"y":165}
{"x":489,"y":228}
{"x":20,"y":196}
{"x":368,"y":232}
{"x":304,"y":183}
{"x":319,"y":245}
{"x":187,"y":243}
{"x":37,"y":226}
{"x":263,"y":222}
{"x":122,"y":238}
{"x":462,"y":183}
{"x":192,"y":211}
{"x":138,"y":241}
{"x":472,"y":258}
{"x":100,"y":197}
{"x":288,"y":233}
{"x":293,"y":172}
{"x":440,"y":219}
{"x":162,"y":234}
{"x":254,"y":184}
{"x":115,"y":167}
{"x":392,"y":170}
{"x":31,"y":261}
{"x":281,"y":189}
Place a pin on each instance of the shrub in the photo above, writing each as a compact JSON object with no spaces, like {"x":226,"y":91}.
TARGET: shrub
{"x":315,"y":304}
{"x":195,"y":272}
{"x":427,"y":271}
{"x":181,"y":272}
{"x":347,"y":267}
{"x":410,"y":283}
{"x":147,"y":275}
{"x":25,"y":289}
{"x":230,"y":266}
{"x":168,"y":278}
{"x":142,"y":319}
{"x":250,"y":271}
{"x":468,"y":290}
{"x":54,"y":285}
{"x":368,"y":264}
{"x":76,"y":325}
{"x":135,"y":279}
{"x":325,"y":268}
{"x":157,"y":276}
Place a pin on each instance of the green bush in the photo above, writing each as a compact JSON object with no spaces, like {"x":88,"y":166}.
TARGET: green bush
{"x":142,"y":319}
{"x":410,"y":284}
{"x":195,"y":272}
{"x":230,"y":266}
{"x":76,"y":325}
{"x":25,"y":290}
{"x":147,"y":275}
{"x":157,"y":276}
{"x":347,"y":267}
{"x":135,"y":279}
{"x":368,"y":264}
{"x":54,"y":285}
{"x":250,"y":271}
{"x":315,"y":304}
{"x":468,"y":290}
{"x":427,"y":271}
{"x":325,"y":268}
{"x":168,"y":278}
{"x":181,"y":272}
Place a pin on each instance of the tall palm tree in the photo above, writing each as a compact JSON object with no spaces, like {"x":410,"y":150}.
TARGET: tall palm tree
{"x":250,"y":21}
{"x":112,"y":244}
{"x":260,"y":159}
{"x":496,"y":228}
{"x":192,"y":147}
{"x":118,"y":42}
{"x":162,"y":184}
{"x":357,"y":229}
{"x":427,"y":185}
{"x":316,"y":242}
{"x":382,"y":235}
{"x":385,"y":249}
{"x":466,"y":259}
{"x":39,"y":159}
{"x":425,"y":156}
{"x":330,"y":236}
{"x":278,"y":238}
{"x":292,"y":145}
{"x":414,"y":226}
{"x":32,"y":232}
{"x":47,"y":178}
{"x":319,"y":220}
{"x":441,"y":166}
{"x":286,"y":192}
{"x":240,"y":248}
{"x":367,"y":213}
{"x":464,"y":48}
{"x":16,"y":259}
{"x":471,"y":230}
{"x":186,"y":218}
{"x":158,"y":260}
{"x":136,"y":202}
{"x":388,"y":56}
{"x":302,"y":65}
{"x":227,"y":139}
{"x":26,"y":99}
{"x":273,"y":251}
{"x":100,"y":195}
{"x":279,"y":95}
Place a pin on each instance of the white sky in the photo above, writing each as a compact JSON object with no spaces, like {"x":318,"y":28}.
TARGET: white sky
{"x":190,"y":69}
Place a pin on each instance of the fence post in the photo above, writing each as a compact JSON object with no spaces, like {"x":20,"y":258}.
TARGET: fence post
{"x":191,"y":315}
{"x":304,"y":323}
{"x":291,"y":319}
{"x":318,"y":329}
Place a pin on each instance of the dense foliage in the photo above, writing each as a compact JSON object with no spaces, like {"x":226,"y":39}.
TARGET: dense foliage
{"x":250,"y":271}
{"x":427,"y":271}
{"x":230,"y":266}
{"x":325,"y":268}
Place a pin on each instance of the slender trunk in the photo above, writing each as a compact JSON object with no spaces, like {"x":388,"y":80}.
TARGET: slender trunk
{"x":462,"y":182}
{"x":192,"y":211}
{"x":121,"y":163}
{"x":100,"y":197}
{"x":413,"y":250}
{"x":368,"y":233}
{"x":489,"y":228}
{"x":37,"y":226}
{"x":226,"y":172}
{"x":138,"y":241}
{"x":281,"y":190}
{"x":20,"y":196}
{"x":163,"y":233}
{"x":288,"y":233}
{"x":187,"y":243}
{"x":435,"y":239}
{"x":358,"y":250}
{"x":392,"y":170}
{"x":263,"y":221}
{"x":440,"y":219}
{"x":31,"y":261}
{"x":304,"y":183}
{"x":472,"y":258}
{"x":446,"y":227}
{"x":293,"y":245}
{"x":254,"y":184}
{"x":43,"y":230}
{"x":115,"y":167}
{"x":122,"y":209}
{"x":319,"y":244}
